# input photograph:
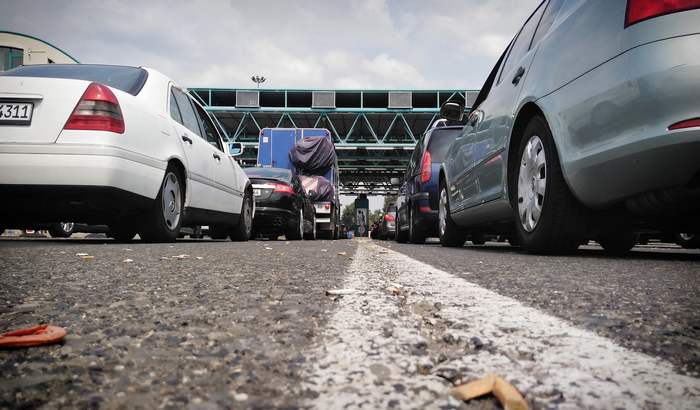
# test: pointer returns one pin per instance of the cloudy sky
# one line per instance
(405, 44)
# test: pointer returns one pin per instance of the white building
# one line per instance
(20, 49)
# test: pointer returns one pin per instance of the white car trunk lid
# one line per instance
(53, 102)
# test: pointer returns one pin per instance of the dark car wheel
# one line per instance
(400, 236)
(121, 232)
(415, 236)
(244, 227)
(617, 243)
(297, 231)
(310, 234)
(548, 217)
(61, 230)
(219, 232)
(451, 235)
(688, 240)
(478, 239)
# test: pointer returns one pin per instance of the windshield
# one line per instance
(439, 143)
(279, 174)
(127, 79)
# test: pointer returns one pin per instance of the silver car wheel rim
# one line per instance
(67, 226)
(247, 216)
(443, 211)
(532, 183)
(172, 201)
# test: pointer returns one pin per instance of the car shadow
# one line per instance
(587, 251)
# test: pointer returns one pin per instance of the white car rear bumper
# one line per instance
(80, 165)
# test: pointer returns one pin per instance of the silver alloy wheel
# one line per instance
(442, 211)
(172, 201)
(686, 236)
(67, 226)
(532, 183)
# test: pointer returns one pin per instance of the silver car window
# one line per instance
(522, 42)
(550, 14)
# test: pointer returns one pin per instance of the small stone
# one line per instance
(477, 343)
(240, 397)
(217, 336)
(387, 331)
(449, 338)
(119, 368)
(424, 367)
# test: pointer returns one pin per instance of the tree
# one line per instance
(348, 216)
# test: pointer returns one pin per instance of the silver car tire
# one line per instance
(451, 235)
(548, 218)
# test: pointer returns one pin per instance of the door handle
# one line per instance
(518, 75)
(216, 157)
(187, 139)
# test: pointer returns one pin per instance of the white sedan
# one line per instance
(121, 146)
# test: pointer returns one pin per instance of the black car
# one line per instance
(281, 205)
(417, 204)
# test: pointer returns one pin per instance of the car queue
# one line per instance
(587, 128)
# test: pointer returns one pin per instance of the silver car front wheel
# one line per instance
(532, 183)
(548, 218)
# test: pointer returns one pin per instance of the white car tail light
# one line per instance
(97, 110)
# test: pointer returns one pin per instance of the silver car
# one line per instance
(588, 127)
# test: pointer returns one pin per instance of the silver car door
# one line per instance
(495, 119)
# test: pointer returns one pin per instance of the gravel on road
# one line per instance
(201, 324)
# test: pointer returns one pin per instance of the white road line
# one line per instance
(554, 364)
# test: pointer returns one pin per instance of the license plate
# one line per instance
(12, 113)
(257, 192)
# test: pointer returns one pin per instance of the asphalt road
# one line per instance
(208, 324)
(647, 301)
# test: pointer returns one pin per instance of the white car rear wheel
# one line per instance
(162, 223)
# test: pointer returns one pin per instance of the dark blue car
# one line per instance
(417, 203)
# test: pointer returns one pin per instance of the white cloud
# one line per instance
(302, 44)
